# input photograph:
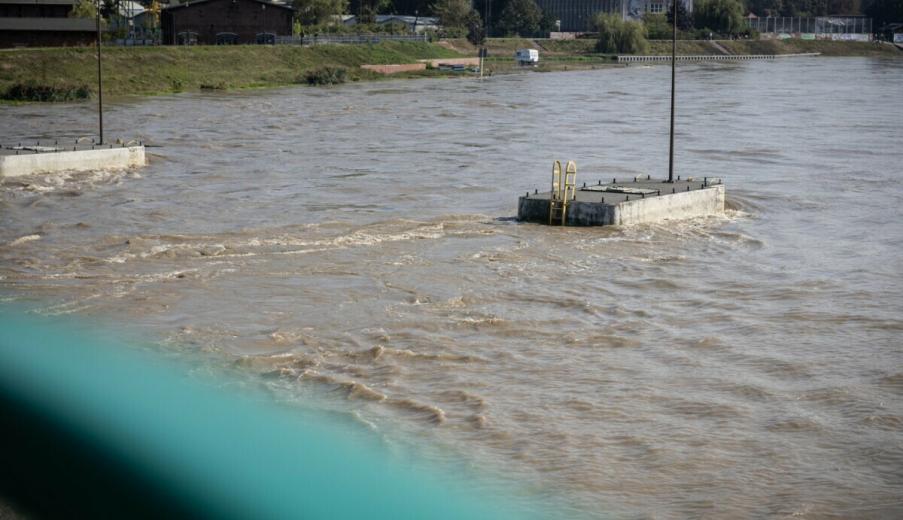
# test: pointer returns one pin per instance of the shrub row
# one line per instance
(31, 91)
(325, 76)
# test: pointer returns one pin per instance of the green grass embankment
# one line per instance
(825, 47)
(62, 74)
(556, 55)
(165, 69)
(586, 48)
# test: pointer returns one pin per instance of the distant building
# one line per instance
(414, 23)
(43, 23)
(577, 15)
(145, 26)
(210, 22)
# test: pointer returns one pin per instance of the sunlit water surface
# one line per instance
(354, 247)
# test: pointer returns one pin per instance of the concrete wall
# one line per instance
(392, 69)
(105, 158)
(697, 203)
(451, 61)
(579, 213)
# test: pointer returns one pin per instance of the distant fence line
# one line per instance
(814, 27)
(350, 38)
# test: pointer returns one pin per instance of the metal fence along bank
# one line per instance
(848, 28)
(349, 38)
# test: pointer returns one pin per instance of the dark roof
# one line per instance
(196, 2)
(37, 2)
(48, 24)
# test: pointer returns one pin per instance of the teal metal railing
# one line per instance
(93, 428)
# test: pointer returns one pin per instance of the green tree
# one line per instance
(547, 24)
(83, 9)
(317, 12)
(721, 16)
(476, 32)
(883, 12)
(520, 18)
(765, 7)
(657, 27)
(453, 14)
(617, 35)
(684, 20)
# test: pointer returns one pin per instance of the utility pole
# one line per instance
(673, 73)
(99, 78)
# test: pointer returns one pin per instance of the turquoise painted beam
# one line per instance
(91, 427)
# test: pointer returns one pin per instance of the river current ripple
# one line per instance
(354, 247)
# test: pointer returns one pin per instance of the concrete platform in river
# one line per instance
(631, 201)
(55, 156)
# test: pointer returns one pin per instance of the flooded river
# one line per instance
(355, 247)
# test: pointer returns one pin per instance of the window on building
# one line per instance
(656, 7)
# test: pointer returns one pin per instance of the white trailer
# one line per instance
(527, 56)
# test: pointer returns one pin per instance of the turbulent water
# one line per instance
(356, 247)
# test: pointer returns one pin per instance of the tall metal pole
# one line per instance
(673, 73)
(485, 35)
(99, 79)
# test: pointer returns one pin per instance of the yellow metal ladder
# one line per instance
(563, 191)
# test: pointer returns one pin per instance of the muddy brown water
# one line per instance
(355, 247)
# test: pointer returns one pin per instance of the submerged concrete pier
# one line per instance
(630, 201)
(56, 156)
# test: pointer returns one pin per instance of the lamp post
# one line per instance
(673, 73)
(99, 77)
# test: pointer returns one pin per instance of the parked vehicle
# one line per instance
(527, 56)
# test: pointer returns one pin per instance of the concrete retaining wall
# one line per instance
(452, 61)
(99, 159)
(392, 69)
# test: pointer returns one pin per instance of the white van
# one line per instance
(527, 56)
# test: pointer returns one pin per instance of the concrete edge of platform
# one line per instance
(682, 205)
(51, 162)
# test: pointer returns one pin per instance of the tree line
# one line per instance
(477, 19)
(525, 18)
(458, 18)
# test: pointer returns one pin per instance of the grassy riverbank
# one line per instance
(585, 48)
(156, 70)
(64, 74)
(556, 55)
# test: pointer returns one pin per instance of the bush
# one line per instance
(722, 16)
(519, 18)
(657, 27)
(617, 35)
(31, 91)
(325, 76)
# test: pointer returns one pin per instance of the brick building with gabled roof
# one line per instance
(209, 22)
